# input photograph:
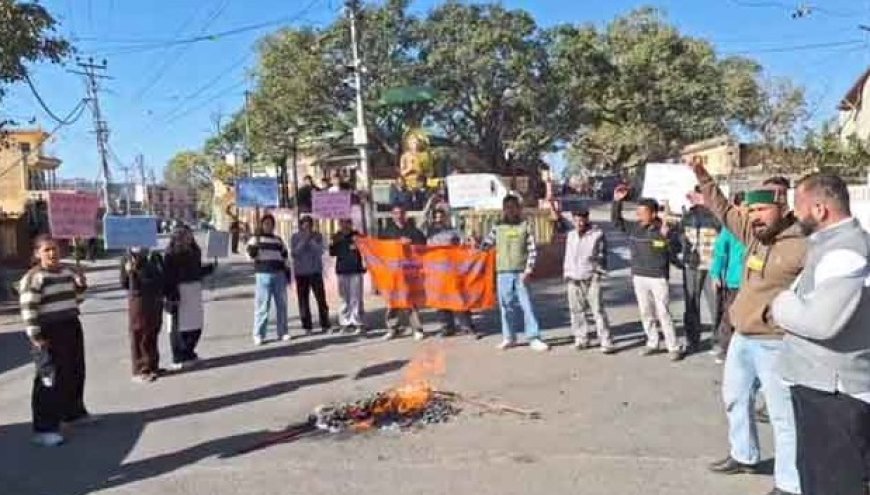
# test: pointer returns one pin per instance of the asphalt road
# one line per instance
(609, 424)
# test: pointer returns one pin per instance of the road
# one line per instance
(609, 424)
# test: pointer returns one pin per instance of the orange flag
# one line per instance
(456, 278)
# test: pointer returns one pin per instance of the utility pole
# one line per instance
(247, 151)
(360, 134)
(93, 73)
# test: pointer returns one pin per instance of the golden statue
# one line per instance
(416, 159)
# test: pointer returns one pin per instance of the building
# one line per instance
(27, 169)
(854, 117)
(27, 172)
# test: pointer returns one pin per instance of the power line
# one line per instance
(798, 11)
(795, 48)
(93, 73)
(45, 107)
(157, 45)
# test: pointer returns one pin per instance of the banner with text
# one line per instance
(257, 192)
(334, 205)
(73, 214)
(669, 183)
(454, 278)
(125, 232)
(484, 191)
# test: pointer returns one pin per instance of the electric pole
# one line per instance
(247, 152)
(93, 73)
(360, 134)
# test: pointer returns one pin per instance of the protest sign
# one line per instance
(217, 244)
(335, 205)
(669, 182)
(73, 214)
(455, 278)
(257, 192)
(483, 191)
(125, 232)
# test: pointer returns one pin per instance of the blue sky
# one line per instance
(162, 100)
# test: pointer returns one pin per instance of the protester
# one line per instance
(50, 295)
(184, 273)
(825, 354)
(337, 182)
(270, 257)
(350, 270)
(726, 270)
(699, 230)
(583, 268)
(400, 195)
(235, 234)
(654, 248)
(307, 249)
(142, 275)
(400, 228)
(516, 253)
(441, 233)
(305, 194)
(775, 249)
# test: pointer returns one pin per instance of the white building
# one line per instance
(854, 116)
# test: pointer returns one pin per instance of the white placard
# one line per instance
(483, 191)
(669, 182)
(217, 244)
(861, 212)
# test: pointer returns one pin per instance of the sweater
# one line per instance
(699, 231)
(183, 267)
(348, 260)
(268, 252)
(585, 255)
(771, 267)
(307, 253)
(651, 252)
(827, 314)
(48, 296)
(729, 256)
(516, 249)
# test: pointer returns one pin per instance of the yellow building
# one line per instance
(26, 169)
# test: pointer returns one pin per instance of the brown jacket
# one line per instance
(769, 269)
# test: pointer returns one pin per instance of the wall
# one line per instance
(856, 122)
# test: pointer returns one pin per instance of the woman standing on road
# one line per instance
(142, 275)
(270, 256)
(50, 297)
(184, 312)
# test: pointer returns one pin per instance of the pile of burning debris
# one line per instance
(399, 408)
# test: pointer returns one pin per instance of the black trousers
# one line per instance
(183, 345)
(64, 400)
(833, 442)
(305, 284)
(145, 319)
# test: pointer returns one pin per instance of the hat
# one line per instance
(763, 196)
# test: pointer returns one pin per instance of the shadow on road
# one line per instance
(94, 457)
(380, 369)
(14, 351)
(273, 352)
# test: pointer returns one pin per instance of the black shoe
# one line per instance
(777, 491)
(730, 466)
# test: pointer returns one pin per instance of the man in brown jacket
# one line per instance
(775, 249)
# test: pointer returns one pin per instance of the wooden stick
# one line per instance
(489, 406)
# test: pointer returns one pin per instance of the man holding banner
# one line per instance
(441, 233)
(402, 230)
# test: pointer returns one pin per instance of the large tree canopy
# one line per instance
(616, 96)
(26, 36)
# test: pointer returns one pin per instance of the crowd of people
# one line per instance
(786, 290)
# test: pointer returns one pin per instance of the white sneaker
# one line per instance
(506, 344)
(258, 341)
(48, 439)
(176, 366)
(286, 338)
(538, 345)
(419, 336)
(390, 335)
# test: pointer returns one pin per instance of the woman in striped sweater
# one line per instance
(50, 298)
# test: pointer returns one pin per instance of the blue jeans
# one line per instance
(512, 297)
(751, 363)
(270, 286)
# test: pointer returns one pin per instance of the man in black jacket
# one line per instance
(349, 268)
(403, 230)
(653, 248)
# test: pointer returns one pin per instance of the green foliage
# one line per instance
(26, 36)
(196, 170)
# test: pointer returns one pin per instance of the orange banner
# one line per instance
(456, 278)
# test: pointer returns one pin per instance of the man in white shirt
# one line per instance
(826, 352)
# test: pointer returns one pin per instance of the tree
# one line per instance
(196, 170)
(650, 90)
(27, 36)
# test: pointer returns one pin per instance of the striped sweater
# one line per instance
(49, 296)
(268, 252)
